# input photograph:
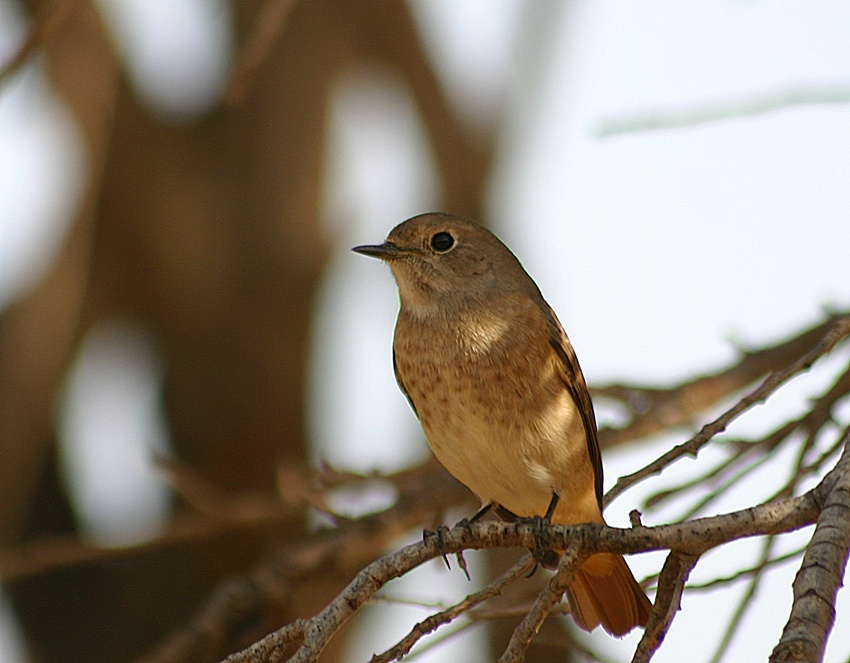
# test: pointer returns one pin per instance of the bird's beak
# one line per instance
(385, 251)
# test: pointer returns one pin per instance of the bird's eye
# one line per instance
(442, 242)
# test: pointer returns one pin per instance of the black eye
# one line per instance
(442, 242)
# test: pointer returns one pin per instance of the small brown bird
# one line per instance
(495, 382)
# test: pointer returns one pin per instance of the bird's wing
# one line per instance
(402, 387)
(574, 381)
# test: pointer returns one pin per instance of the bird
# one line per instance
(493, 378)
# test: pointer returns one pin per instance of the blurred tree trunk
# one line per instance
(207, 234)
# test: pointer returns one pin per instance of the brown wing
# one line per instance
(574, 381)
(402, 387)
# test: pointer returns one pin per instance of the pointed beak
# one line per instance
(385, 251)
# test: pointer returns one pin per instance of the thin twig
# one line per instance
(551, 594)
(838, 331)
(723, 110)
(671, 583)
(657, 409)
(686, 539)
(745, 601)
(811, 423)
(423, 628)
(701, 504)
(339, 551)
(442, 638)
(690, 538)
(713, 477)
(748, 572)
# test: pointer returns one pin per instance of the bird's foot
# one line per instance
(439, 535)
(542, 552)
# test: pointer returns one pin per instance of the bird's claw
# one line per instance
(461, 562)
(543, 554)
(439, 535)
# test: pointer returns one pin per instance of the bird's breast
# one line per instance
(494, 407)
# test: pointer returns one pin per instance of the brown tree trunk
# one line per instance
(207, 234)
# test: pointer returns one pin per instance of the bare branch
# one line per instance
(334, 552)
(760, 566)
(218, 513)
(838, 331)
(319, 630)
(433, 622)
(723, 110)
(822, 572)
(546, 600)
(668, 599)
(268, 26)
(744, 602)
(690, 538)
(425, 492)
(657, 409)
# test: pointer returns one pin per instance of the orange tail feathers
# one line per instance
(605, 592)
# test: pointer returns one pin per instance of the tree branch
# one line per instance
(822, 572)
(838, 330)
(45, 24)
(657, 409)
(267, 27)
(521, 568)
(334, 552)
(548, 597)
(723, 110)
(424, 493)
(671, 584)
(689, 538)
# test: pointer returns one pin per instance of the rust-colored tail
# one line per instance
(605, 592)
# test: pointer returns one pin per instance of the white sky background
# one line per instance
(655, 248)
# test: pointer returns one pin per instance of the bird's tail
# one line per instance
(605, 592)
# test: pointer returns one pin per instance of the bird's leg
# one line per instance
(553, 504)
(546, 558)
(484, 510)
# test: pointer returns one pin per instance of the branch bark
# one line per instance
(822, 571)
(668, 599)
(548, 597)
(690, 538)
(433, 622)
